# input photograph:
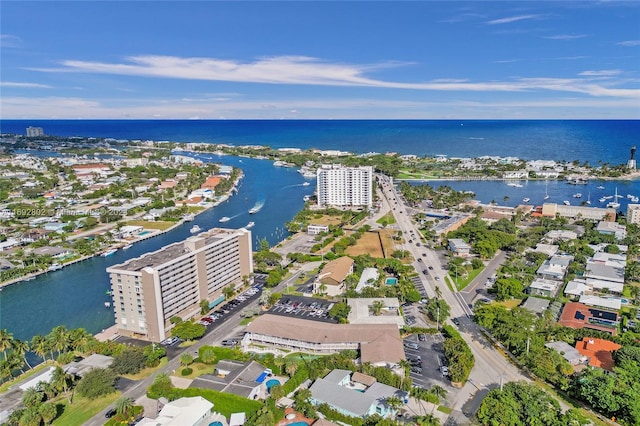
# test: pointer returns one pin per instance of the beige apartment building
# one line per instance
(150, 289)
(633, 214)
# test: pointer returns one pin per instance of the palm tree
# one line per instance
(32, 397)
(376, 307)
(228, 292)
(438, 391)
(6, 339)
(40, 346)
(79, 338)
(60, 380)
(123, 405)
(279, 361)
(394, 403)
(290, 367)
(60, 338)
(428, 420)
(48, 411)
(21, 348)
(186, 359)
(405, 365)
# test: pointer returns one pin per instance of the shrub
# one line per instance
(186, 371)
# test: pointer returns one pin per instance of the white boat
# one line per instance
(54, 267)
(249, 225)
(305, 198)
(602, 200)
(306, 184)
(613, 204)
(566, 203)
(225, 219)
(589, 198)
(188, 217)
(107, 304)
(600, 187)
(546, 190)
(255, 209)
(127, 247)
(109, 252)
(515, 185)
(194, 229)
(577, 195)
(526, 200)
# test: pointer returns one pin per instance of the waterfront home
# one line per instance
(355, 394)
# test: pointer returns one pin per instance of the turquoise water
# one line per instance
(298, 424)
(391, 281)
(144, 233)
(271, 383)
(215, 424)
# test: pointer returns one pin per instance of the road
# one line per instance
(491, 368)
(221, 330)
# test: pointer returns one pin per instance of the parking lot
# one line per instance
(303, 307)
(427, 361)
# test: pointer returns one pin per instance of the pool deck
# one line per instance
(297, 418)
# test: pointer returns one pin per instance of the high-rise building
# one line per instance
(151, 289)
(633, 214)
(33, 132)
(344, 186)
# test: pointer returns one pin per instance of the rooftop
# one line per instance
(536, 305)
(599, 351)
(578, 315)
(239, 378)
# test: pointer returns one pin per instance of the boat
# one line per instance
(614, 204)
(109, 293)
(566, 203)
(54, 267)
(29, 279)
(306, 184)
(515, 185)
(225, 219)
(249, 225)
(255, 209)
(577, 195)
(107, 304)
(600, 187)
(589, 198)
(526, 200)
(194, 229)
(127, 247)
(306, 198)
(546, 190)
(109, 252)
(188, 217)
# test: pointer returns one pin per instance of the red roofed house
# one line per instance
(599, 351)
(191, 201)
(211, 182)
(579, 315)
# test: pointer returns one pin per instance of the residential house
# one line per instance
(459, 247)
(568, 352)
(555, 267)
(536, 305)
(612, 228)
(331, 278)
(355, 394)
(187, 411)
(599, 351)
(317, 229)
(579, 315)
(236, 377)
(542, 287)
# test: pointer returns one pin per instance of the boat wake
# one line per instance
(257, 207)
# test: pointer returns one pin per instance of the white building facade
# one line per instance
(345, 186)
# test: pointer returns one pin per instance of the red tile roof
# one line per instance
(576, 315)
(599, 351)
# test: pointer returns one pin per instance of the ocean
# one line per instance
(594, 141)
(75, 295)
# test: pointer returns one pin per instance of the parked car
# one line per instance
(444, 370)
(229, 342)
(456, 321)
(416, 369)
(411, 345)
(431, 267)
(422, 337)
(112, 412)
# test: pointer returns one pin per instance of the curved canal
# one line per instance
(75, 295)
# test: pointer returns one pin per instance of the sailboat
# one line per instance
(546, 192)
(614, 204)
(589, 198)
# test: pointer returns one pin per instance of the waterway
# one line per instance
(75, 295)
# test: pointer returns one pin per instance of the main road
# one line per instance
(491, 367)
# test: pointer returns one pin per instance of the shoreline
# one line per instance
(29, 277)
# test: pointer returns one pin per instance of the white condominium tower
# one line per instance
(344, 186)
(150, 289)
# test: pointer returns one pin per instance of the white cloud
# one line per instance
(24, 85)
(629, 43)
(511, 19)
(9, 40)
(600, 73)
(565, 36)
(301, 70)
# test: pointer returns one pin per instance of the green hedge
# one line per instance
(337, 416)
(224, 403)
(458, 354)
(296, 380)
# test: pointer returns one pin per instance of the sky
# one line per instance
(320, 60)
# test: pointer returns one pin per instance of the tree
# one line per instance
(48, 412)
(438, 310)
(376, 307)
(130, 361)
(123, 405)
(96, 383)
(204, 306)
(207, 354)
(185, 359)
(394, 403)
(6, 339)
(340, 312)
(32, 397)
(40, 346)
(61, 380)
(188, 330)
(161, 386)
(228, 292)
(290, 367)
(21, 348)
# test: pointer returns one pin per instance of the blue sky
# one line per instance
(432, 60)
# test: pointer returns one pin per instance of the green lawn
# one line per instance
(198, 369)
(387, 219)
(444, 409)
(83, 409)
(246, 321)
(224, 403)
(147, 371)
(510, 304)
(464, 280)
(151, 225)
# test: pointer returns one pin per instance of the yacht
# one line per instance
(194, 229)
(225, 219)
(614, 204)
(54, 267)
(546, 190)
(249, 225)
(600, 187)
(577, 195)
(254, 210)
(109, 252)
(107, 304)
(566, 203)
(127, 247)
(602, 200)
(589, 199)
(306, 184)
(306, 198)
(526, 200)
(188, 217)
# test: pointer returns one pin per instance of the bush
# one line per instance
(186, 371)
(96, 383)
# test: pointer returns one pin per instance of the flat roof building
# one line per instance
(345, 186)
(633, 213)
(151, 289)
(579, 315)
(574, 212)
(459, 247)
(363, 312)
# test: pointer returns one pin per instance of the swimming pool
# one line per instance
(298, 424)
(215, 424)
(144, 233)
(271, 383)
(391, 281)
